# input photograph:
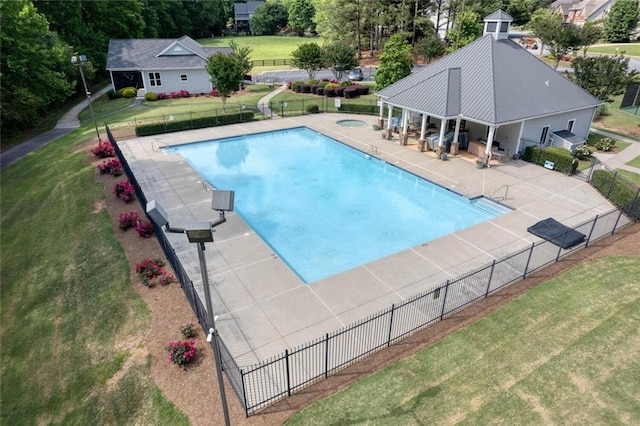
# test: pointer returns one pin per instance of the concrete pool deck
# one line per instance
(265, 308)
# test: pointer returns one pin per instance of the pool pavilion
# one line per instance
(492, 98)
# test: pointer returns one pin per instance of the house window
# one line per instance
(183, 77)
(504, 27)
(570, 125)
(491, 27)
(543, 136)
(154, 79)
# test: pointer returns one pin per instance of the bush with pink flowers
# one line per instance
(128, 220)
(144, 228)
(125, 191)
(181, 353)
(113, 167)
(103, 150)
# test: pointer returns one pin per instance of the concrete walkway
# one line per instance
(619, 160)
(264, 102)
(67, 123)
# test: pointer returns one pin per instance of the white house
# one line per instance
(494, 93)
(160, 65)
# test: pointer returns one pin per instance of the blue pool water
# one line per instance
(322, 206)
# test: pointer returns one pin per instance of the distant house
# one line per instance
(160, 65)
(493, 92)
(578, 12)
(242, 14)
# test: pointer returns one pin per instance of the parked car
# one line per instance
(355, 75)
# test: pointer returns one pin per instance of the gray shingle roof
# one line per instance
(145, 54)
(500, 83)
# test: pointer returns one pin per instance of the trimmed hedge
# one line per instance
(312, 109)
(359, 109)
(196, 123)
(561, 157)
(621, 193)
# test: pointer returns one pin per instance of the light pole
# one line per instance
(199, 234)
(78, 60)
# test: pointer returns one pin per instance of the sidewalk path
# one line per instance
(67, 123)
(264, 102)
(619, 160)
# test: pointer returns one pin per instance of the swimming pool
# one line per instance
(323, 206)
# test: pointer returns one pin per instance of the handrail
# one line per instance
(506, 192)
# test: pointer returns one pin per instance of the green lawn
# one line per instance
(615, 118)
(630, 49)
(635, 162)
(264, 47)
(631, 176)
(68, 310)
(563, 353)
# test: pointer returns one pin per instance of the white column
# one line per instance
(423, 128)
(456, 132)
(405, 121)
(443, 123)
(519, 137)
(492, 132)
(381, 109)
(389, 117)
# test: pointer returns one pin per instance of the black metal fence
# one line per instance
(278, 377)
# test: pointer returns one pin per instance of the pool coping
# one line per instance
(264, 308)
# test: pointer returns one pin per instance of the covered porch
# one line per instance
(444, 136)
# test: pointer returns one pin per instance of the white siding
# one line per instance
(198, 81)
(533, 128)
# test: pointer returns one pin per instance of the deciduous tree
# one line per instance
(35, 66)
(226, 74)
(465, 31)
(431, 46)
(603, 76)
(339, 57)
(621, 21)
(395, 62)
(269, 18)
(301, 13)
(308, 57)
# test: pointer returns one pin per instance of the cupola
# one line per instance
(497, 24)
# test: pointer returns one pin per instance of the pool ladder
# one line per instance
(506, 192)
(372, 149)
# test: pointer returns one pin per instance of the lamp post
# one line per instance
(199, 234)
(78, 60)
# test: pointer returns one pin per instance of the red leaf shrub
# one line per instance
(128, 220)
(181, 353)
(125, 191)
(152, 272)
(112, 166)
(103, 150)
(144, 228)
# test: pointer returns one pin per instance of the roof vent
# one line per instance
(497, 24)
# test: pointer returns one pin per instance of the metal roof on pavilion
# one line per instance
(499, 82)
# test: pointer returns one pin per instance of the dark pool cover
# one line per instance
(555, 232)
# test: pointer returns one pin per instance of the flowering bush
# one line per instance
(181, 353)
(144, 228)
(214, 92)
(162, 95)
(125, 191)
(112, 166)
(152, 272)
(188, 330)
(128, 220)
(103, 150)
(180, 94)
